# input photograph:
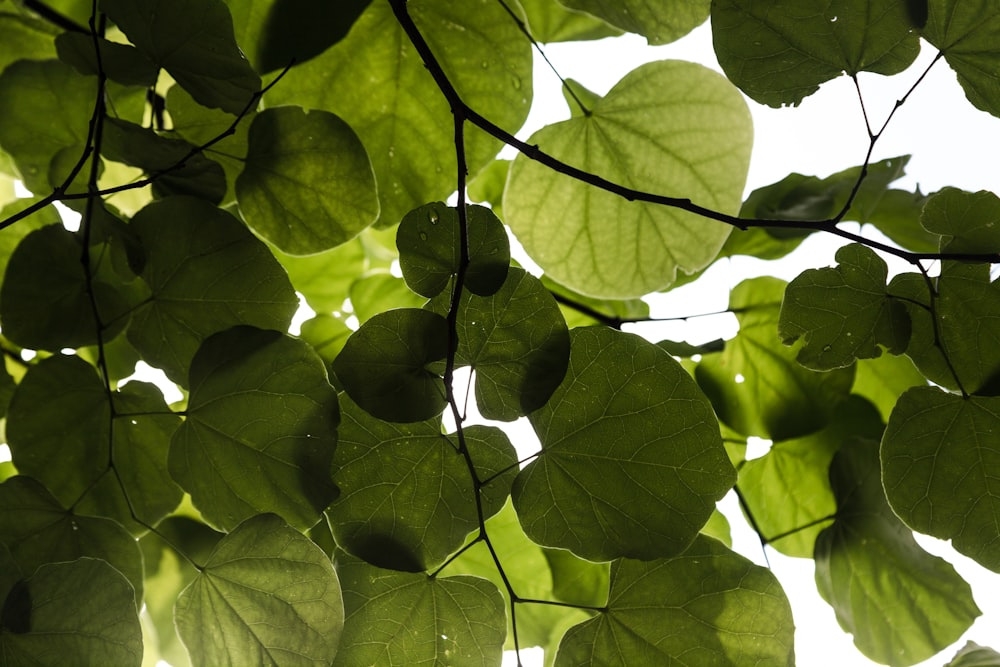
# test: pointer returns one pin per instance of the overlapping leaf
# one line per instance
(79, 612)
(659, 23)
(407, 497)
(965, 32)
(966, 221)
(402, 119)
(974, 655)
(24, 38)
(260, 430)
(780, 52)
(756, 385)
(901, 604)
(455, 619)
(384, 365)
(940, 458)
(119, 62)
(843, 314)
(193, 40)
(307, 185)
(668, 127)
(884, 379)
(207, 273)
(632, 462)
(324, 278)
(551, 22)
(705, 606)
(267, 595)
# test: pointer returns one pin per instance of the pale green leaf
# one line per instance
(266, 596)
(377, 291)
(325, 278)
(669, 127)
(549, 21)
(974, 655)
(24, 38)
(882, 380)
(659, 22)
(632, 462)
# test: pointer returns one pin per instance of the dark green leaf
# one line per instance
(141, 147)
(193, 40)
(12, 236)
(307, 185)
(402, 118)
(965, 33)
(454, 619)
(639, 135)
(207, 273)
(119, 62)
(974, 655)
(756, 385)
(939, 465)
(706, 606)
(266, 596)
(898, 217)
(517, 343)
(659, 23)
(843, 314)
(965, 221)
(582, 311)
(38, 529)
(429, 242)
(81, 613)
(632, 462)
(44, 108)
(260, 430)
(381, 467)
(780, 52)
(901, 604)
(789, 487)
(968, 325)
(551, 22)
(385, 365)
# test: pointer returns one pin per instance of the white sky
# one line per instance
(952, 143)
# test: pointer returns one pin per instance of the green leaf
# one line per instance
(37, 529)
(965, 221)
(632, 462)
(402, 119)
(638, 135)
(882, 380)
(207, 273)
(44, 108)
(789, 487)
(939, 463)
(966, 34)
(324, 279)
(756, 385)
(843, 314)
(898, 215)
(705, 606)
(141, 147)
(551, 22)
(517, 343)
(327, 334)
(119, 62)
(429, 242)
(81, 613)
(378, 291)
(193, 40)
(13, 235)
(24, 38)
(384, 365)
(974, 655)
(235, 465)
(45, 301)
(582, 311)
(456, 619)
(901, 604)
(307, 185)
(577, 581)
(267, 595)
(780, 52)
(659, 23)
(381, 468)
(968, 325)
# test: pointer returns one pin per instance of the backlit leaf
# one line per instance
(974, 655)
(193, 40)
(706, 606)
(940, 458)
(260, 430)
(659, 23)
(458, 620)
(307, 185)
(780, 52)
(324, 278)
(965, 32)
(24, 38)
(901, 604)
(81, 613)
(882, 380)
(207, 273)
(384, 365)
(377, 291)
(640, 135)
(551, 22)
(267, 595)
(632, 462)
(966, 221)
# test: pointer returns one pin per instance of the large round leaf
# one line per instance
(672, 128)
(632, 462)
(307, 185)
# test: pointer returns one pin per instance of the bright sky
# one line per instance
(952, 143)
